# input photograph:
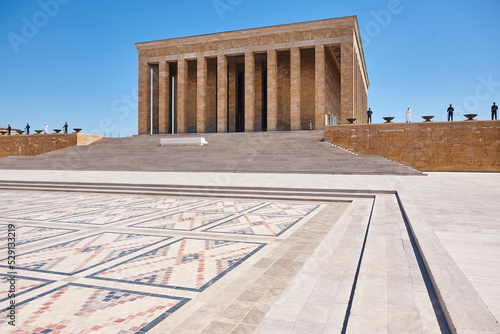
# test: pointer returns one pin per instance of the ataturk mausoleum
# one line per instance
(265, 79)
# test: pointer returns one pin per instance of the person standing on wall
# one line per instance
(369, 113)
(9, 129)
(27, 128)
(494, 109)
(450, 113)
(46, 129)
(408, 115)
(65, 127)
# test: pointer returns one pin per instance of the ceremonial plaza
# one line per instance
(249, 202)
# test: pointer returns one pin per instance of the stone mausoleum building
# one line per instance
(263, 79)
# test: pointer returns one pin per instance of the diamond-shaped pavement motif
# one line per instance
(228, 206)
(50, 213)
(106, 216)
(81, 254)
(191, 264)
(26, 234)
(13, 207)
(256, 224)
(166, 203)
(289, 209)
(183, 220)
(115, 201)
(22, 285)
(78, 308)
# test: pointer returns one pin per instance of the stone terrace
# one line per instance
(265, 152)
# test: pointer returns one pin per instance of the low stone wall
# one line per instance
(42, 143)
(464, 146)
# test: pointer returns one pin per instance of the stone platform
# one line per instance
(461, 146)
(253, 253)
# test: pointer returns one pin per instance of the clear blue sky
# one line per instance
(77, 61)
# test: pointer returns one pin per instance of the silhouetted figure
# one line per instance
(450, 113)
(369, 113)
(408, 115)
(9, 129)
(27, 128)
(65, 127)
(494, 109)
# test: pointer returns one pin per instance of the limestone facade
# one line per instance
(263, 79)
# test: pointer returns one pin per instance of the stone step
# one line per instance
(221, 192)
(392, 293)
(273, 152)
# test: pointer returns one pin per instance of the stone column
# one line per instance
(249, 91)
(272, 90)
(295, 89)
(221, 93)
(182, 83)
(319, 87)
(347, 81)
(144, 98)
(156, 93)
(201, 95)
(164, 96)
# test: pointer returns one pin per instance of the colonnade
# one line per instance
(177, 96)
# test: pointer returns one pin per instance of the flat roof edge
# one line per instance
(229, 34)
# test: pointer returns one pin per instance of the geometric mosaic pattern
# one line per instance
(117, 278)
(166, 203)
(26, 234)
(45, 214)
(80, 254)
(191, 264)
(228, 206)
(93, 309)
(184, 220)
(291, 209)
(259, 218)
(23, 285)
(253, 224)
(106, 216)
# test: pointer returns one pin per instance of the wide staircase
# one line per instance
(260, 152)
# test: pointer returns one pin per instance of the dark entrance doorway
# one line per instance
(240, 102)
(264, 97)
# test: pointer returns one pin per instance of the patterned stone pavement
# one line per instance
(124, 263)
(386, 254)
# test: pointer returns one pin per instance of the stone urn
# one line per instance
(428, 118)
(388, 119)
(351, 120)
(470, 117)
(77, 130)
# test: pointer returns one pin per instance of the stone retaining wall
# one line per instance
(42, 143)
(463, 146)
